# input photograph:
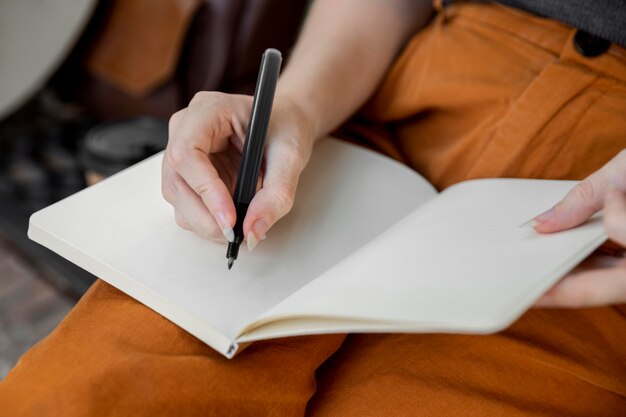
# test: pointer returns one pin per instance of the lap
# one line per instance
(551, 362)
(113, 356)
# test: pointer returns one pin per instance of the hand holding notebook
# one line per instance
(600, 280)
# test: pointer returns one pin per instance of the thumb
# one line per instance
(578, 205)
(584, 199)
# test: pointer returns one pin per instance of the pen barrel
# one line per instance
(252, 154)
(241, 209)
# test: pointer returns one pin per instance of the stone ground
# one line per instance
(29, 307)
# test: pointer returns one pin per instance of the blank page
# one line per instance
(123, 231)
(462, 262)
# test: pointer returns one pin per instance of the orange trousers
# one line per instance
(483, 91)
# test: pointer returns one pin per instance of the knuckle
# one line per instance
(175, 120)
(182, 223)
(585, 190)
(208, 230)
(202, 97)
(295, 152)
(285, 198)
(204, 190)
(176, 157)
(169, 190)
(294, 155)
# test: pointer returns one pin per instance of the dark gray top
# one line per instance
(603, 18)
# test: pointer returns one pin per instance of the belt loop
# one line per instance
(441, 8)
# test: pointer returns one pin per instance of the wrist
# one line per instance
(303, 109)
(299, 116)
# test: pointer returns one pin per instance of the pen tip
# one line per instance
(230, 262)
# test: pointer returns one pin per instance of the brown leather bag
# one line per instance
(152, 56)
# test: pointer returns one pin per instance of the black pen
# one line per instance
(253, 147)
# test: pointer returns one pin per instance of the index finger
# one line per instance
(205, 128)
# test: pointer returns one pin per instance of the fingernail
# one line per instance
(530, 223)
(543, 217)
(251, 242)
(259, 228)
(223, 223)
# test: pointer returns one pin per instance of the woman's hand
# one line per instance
(601, 279)
(202, 160)
(318, 90)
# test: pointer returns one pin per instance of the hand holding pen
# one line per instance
(252, 153)
(202, 160)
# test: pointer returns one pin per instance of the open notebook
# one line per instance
(369, 247)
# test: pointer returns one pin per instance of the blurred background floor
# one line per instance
(29, 307)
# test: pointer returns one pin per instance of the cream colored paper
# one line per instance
(368, 247)
(463, 262)
(124, 232)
